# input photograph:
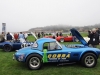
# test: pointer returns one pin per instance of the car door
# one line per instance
(72, 53)
(17, 45)
(68, 38)
(53, 51)
(66, 54)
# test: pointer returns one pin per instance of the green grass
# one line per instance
(84, 34)
(8, 66)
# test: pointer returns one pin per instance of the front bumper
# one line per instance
(19, 58)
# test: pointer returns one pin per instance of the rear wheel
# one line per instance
(34, 62)
(62, 40)
(7, 48)
(89, 60)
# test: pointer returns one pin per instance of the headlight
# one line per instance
(21, 57)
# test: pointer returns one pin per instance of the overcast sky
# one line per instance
(21, 15)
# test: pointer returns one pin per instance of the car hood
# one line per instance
(78, 36)
(24, 49)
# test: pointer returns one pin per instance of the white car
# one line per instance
(86, 39)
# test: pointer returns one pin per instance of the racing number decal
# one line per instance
(58, 55)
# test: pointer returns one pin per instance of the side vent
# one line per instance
(76, 55)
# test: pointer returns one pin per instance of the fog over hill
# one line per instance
(64, 28)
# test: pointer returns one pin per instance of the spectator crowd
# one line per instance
(93, 34)
(16, 36)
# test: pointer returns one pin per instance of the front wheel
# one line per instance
(34, 62)
(89, 60)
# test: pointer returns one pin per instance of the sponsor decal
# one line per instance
(58, 57)
(55, 57)
(26, 44)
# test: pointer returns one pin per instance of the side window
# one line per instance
(45, 46)
(54, 46)
(51, 46)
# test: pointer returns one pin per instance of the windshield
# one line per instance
(35, 45)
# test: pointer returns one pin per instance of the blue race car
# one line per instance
(46, 50)
(8, 46)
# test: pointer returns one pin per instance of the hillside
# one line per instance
(64, 28)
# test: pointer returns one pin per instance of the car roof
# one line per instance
(43, 40)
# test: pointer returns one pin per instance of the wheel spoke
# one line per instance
(34, 62)
(89, 60)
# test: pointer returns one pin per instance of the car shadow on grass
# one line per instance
(48, 65)
(57, 65)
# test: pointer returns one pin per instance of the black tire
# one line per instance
(89, 60)
(61, 40)
(7, 48)
(34, 62)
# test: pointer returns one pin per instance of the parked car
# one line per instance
(8, 46)
(46, 50)
(62, 38)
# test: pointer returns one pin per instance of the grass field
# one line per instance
(12, 67)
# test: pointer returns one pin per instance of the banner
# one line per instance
(4, 29)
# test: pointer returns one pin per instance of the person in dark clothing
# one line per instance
(57, 34)
(98, 31)
(60, 34)
(89, 32)
(94, 38)
(42, 34)
(39, 35)
(9, 37)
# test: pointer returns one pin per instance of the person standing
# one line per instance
(57, 34)
(60, 34)
(39, 35)
(94, 38)
(25, 35)
(53, 35)
(15, 36)
(9, 37)
(21, 37)
(2, 37)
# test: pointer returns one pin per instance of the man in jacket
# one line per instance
(94, 38)
(2, 37)
(9, 37)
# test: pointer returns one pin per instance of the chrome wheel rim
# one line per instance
(34, 62)
(61, 40)
(89, 60)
